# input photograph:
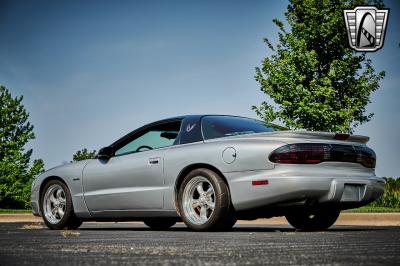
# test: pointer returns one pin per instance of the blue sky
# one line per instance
(93, 71)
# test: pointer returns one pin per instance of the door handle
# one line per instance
(154, 160)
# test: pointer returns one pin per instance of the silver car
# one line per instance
(209, 171)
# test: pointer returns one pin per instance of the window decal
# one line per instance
(190, 127)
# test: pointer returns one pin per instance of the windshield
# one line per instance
(225, 126)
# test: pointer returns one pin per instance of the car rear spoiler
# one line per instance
(320, 135)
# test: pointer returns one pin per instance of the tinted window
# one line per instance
(153, 138)
(224, 126)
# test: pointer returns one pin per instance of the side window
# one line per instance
(155, 137)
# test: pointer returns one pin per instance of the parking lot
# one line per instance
(134, 243)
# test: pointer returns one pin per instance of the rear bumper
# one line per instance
(344, 192)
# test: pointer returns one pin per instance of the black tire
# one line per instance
(313, 221)
(223, 216)
(160, 223)
(228, 223)
(69, 220)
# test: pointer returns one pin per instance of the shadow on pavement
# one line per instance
(245, 228)
(248, 228)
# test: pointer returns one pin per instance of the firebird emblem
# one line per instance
(190, 127)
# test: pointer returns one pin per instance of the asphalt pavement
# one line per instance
(134, 243)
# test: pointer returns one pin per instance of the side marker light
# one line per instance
(259, 182)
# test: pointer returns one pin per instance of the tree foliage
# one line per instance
(16, 173)
(391, 196)
(83, 155)
(315, 79)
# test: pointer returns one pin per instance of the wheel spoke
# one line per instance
(203, 213)
(61, 200)
(58, 194)
(211, 205)
(52, 198)
(60, 212)
(200, 189)
(210, 191)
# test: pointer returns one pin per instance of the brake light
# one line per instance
(341, 136)
(300, 154)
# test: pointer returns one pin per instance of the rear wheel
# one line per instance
(160, 223)
(56, 206)
(313, 221)
(204, 201)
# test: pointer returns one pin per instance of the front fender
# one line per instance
(71, 175)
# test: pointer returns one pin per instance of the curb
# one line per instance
(373, 219)
(361, 219)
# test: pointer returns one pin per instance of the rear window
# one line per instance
(225, 126)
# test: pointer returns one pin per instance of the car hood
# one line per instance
(72, 166)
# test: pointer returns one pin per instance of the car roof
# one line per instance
(196, 116)
(184, 137)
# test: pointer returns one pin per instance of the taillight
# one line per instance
(366, 156)
(341, 136)
(313, 153)
(300, 153)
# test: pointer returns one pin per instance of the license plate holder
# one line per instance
(352, 193)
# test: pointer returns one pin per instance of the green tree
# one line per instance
(83, 155)
(16, 173)
(391, 196)
(315, 79)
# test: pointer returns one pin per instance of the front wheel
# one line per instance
(313, 221)
(56, 206)
(204, 201)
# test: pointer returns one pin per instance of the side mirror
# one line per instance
(105, 153)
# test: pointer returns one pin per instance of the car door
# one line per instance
(132, 179)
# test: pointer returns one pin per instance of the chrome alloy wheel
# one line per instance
(54, 203)
(198, 200)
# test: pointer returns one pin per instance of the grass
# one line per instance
(373, 209)
(14, 211)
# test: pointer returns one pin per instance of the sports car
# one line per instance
(208, 171)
